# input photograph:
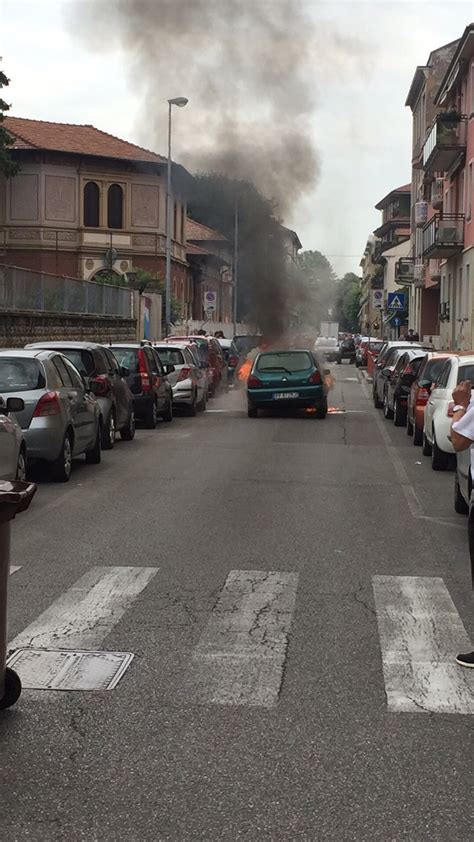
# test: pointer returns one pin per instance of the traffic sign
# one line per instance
(210, 301)
(396, 301)
(377, 299)
(397, 322)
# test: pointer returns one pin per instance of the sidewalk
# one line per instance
(365, 376)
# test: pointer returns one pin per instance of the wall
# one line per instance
(18, 328)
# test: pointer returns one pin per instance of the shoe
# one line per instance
(465, 660)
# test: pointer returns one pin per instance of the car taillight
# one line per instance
(407, 370)
(451, 406)
(184, 373)
(233, 361)
(143, 372)
(253, 382)
(315, 378)
(48, 404)
(422, 397)
(100, 385)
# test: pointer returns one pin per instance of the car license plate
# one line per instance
(281, 396)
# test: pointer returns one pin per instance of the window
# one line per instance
(470, 189)
(91, 205)
(21, 375)
(175, 221)
(74, 375)
(62, 371)
(82, 360)
(442, 381)
(284, 361)
(115, 206)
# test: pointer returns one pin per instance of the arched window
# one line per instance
(91, 205)
(115, 206)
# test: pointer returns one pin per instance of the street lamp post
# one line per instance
(180, 101)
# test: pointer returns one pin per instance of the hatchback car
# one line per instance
(386, 359)
(286, 379)
(12, 443)
(399, 385)
(147, 381)
(212, 358)
(439, 409)
(60, 419)
(187, 380)
(346, 351)
(419, 396)
(102, 374)
(327, 346)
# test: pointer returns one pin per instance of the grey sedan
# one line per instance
(60, 418)
(12, 443)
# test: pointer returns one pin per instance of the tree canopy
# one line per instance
(7, 166)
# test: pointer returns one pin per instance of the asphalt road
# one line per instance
(209, 736)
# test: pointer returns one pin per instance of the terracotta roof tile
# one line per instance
(75, 139)
(199, 232)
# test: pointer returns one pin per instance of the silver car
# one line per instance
(188, 381)
(12, 443)
(60, 418)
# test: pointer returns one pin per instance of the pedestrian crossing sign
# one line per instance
(396, 301)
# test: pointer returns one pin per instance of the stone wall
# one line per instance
(17, 328)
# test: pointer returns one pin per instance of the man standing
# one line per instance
(412, 337)
(462, 437)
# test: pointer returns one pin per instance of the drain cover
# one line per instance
(63, 669)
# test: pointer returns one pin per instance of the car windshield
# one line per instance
(83, 360)
(290, 361)
(20, 375)
(433, 369)
(170, 356)
(128, 357)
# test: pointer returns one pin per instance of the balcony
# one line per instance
(445, 143)
(443, 237)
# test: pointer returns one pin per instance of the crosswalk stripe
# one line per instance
(240, 657)
(420, 632)
(14, 568)
(83, 616)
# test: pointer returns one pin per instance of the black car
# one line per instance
(105, 380)
(231, 356)
(399, 382)
(146, 377)
(346, 351)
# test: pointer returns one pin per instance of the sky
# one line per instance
(359, 127)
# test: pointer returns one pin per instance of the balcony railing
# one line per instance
(445, 142)
(443, 236)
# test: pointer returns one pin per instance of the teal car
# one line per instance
(286, 379)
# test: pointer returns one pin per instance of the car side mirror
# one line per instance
(386, 372)
(15, 405)
(169, 368)
(124, 371)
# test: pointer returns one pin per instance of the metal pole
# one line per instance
(168, 232)
(236, 246)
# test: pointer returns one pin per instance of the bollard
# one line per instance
(15, 497)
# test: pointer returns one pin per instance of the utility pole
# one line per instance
(236, 257)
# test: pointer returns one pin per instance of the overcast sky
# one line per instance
(360, 127)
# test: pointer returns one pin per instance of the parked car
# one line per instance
(187, 380)
(147, 380)
(287, 379)
(362, 350)
(418, 395)
(439, 409)
(463, 482)
(386, 359)
(12, 443)
(328, 347)
(211, 356)
(60, 418)
(102, 374)
(231, 356)
(346, 351)
(399, 384)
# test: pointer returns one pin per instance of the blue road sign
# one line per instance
(397, 322)
(396, 301)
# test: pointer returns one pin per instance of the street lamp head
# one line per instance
(180, 101)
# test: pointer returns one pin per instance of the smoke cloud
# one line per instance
(250, 69)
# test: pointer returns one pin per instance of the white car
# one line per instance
(439, 410)
(188, 380)
(12, 445)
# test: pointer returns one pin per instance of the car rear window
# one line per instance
(170, 356)
(17, 375)
(287, 360)
(83, 360)
(128, 357)
(466, 372)
(433, 368)
(375, 347)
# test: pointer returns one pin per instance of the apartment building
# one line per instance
(371, 305)
(392, 244)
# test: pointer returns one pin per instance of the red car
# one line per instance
(419, 394)
(212, 357)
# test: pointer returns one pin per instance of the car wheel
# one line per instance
(388, 413)
(192, 408)
(417, 436)
(426, 445)
(61, 467)
(399, 414)
(151, 417)
(21, 466)
(202, 403)
(377, 403)
(252, 411)
(167, 415)
(460, 505)
(94, 455)
(12, 689)
(409, 427)
(439, 459)
(128, 432)
(108, 433)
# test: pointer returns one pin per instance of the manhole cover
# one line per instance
(63, 669)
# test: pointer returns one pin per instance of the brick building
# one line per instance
(209, 255)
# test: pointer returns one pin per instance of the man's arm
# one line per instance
(463, 417)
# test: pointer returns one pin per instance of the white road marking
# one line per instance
(62, 669)
(14, 569)
(83, 616)
(240, 657)
(420, 633)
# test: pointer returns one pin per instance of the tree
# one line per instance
(348, 302)
(320, 282)
(8, 167)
